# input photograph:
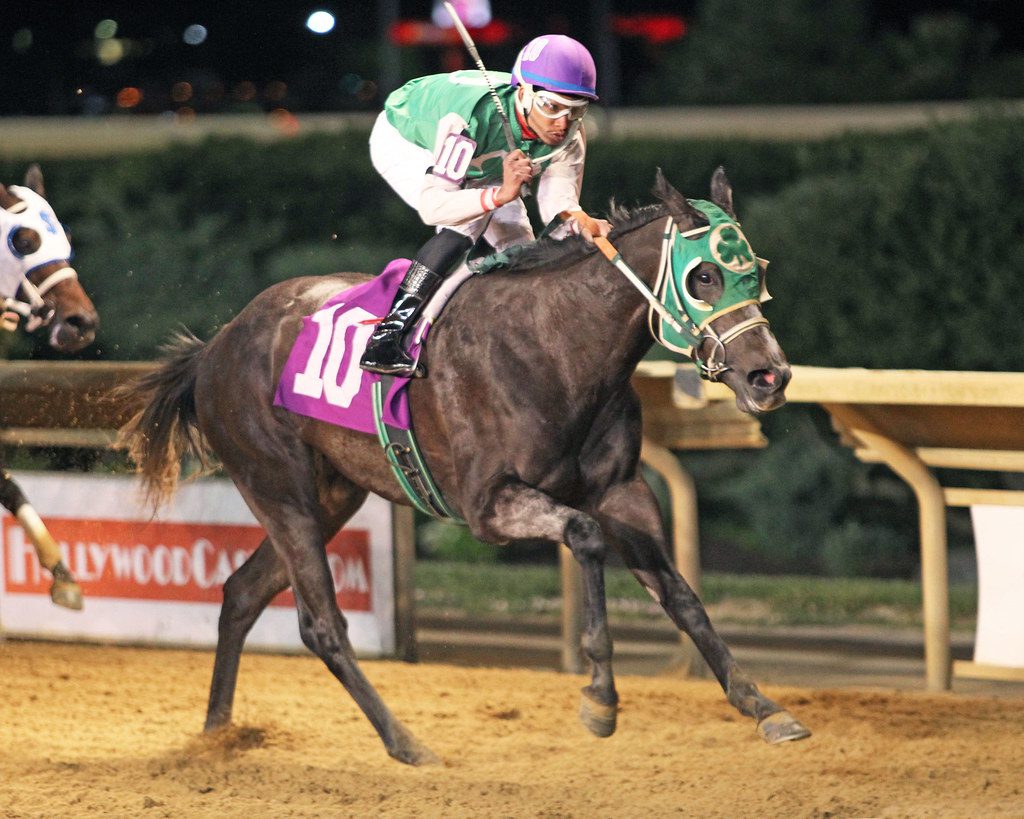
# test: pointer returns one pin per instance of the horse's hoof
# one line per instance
(414, 753)
(407, 749)
(66, 593)
(598, 717)
(781, 726)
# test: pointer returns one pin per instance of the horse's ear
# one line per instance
(34, 179)
(685, 214)
(721, 191)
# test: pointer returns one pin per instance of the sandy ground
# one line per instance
(97, 731)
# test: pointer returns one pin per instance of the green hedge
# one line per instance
(899, 250)
(888, 251)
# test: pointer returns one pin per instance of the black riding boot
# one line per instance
(385, 352)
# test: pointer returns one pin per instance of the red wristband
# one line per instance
(489, 199)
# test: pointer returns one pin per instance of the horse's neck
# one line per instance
(603, 315)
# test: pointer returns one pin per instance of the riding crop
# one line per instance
(506, 126)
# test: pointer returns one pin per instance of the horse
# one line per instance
(38, 284)
(527, 421)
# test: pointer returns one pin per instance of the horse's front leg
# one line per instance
(64, 590)
(519, 512)
(630, 515)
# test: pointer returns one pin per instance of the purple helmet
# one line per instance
(557, 63)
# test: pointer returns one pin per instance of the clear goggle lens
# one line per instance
(555, 106)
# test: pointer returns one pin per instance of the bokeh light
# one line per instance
(110, 52)
(105, 29)
(320, 21)
(181, 91)
(129, 97)
(194, 35)
(245, 91)
(473, 13)
(275, 91)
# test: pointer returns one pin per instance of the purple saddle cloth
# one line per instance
(322, 378)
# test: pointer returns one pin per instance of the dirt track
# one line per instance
(115, 732)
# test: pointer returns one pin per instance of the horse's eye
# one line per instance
(704, 278)
(25, 241)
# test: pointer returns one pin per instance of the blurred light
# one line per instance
(195, 34)
(181, 92)
(110, 52)
(419, 33)
(285, 121)
(275, 91)
(22, 40)
(105, 29)
(128, 97)
(656, 28)
(185, 114)
(244, 91)
(320, 22)
(474, 13)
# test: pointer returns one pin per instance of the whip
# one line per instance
(471, 48)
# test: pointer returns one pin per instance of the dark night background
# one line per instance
(50, 63)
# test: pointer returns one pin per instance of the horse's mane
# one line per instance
(549, 251)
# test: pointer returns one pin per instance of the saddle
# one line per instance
(322, 378)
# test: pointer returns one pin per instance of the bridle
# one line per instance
(36, 312)
(26, 301)
(692, 330)
(675, 318)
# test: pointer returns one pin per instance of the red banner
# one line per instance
(181, 562)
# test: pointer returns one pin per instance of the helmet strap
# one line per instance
(524, 99)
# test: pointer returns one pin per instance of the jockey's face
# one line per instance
(550, 127)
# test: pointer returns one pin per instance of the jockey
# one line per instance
(440, 143)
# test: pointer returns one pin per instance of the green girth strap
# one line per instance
(407, 463)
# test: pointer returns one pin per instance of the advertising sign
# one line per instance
(158, 578)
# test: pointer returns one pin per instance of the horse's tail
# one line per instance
(164, 427)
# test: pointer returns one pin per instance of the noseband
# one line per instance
(712, 368)
(25, 299)
(36, 312)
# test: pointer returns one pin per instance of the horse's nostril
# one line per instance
(769, 380)
(81, 323)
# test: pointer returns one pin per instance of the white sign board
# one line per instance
(158, 579)
(999, 539)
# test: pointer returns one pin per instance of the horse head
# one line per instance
(714, 284)
(37, 281)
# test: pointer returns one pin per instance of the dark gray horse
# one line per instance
(528, 422)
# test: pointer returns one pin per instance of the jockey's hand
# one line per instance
(517, 170)
(589, 227)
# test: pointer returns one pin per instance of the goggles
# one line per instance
(554, 106)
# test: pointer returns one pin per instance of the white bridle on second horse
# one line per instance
(32, 238)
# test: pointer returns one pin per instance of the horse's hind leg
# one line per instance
(520, 512)
(284, 502)
(249, 591)
(64, 590)
(246, 594)
(630, 515)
